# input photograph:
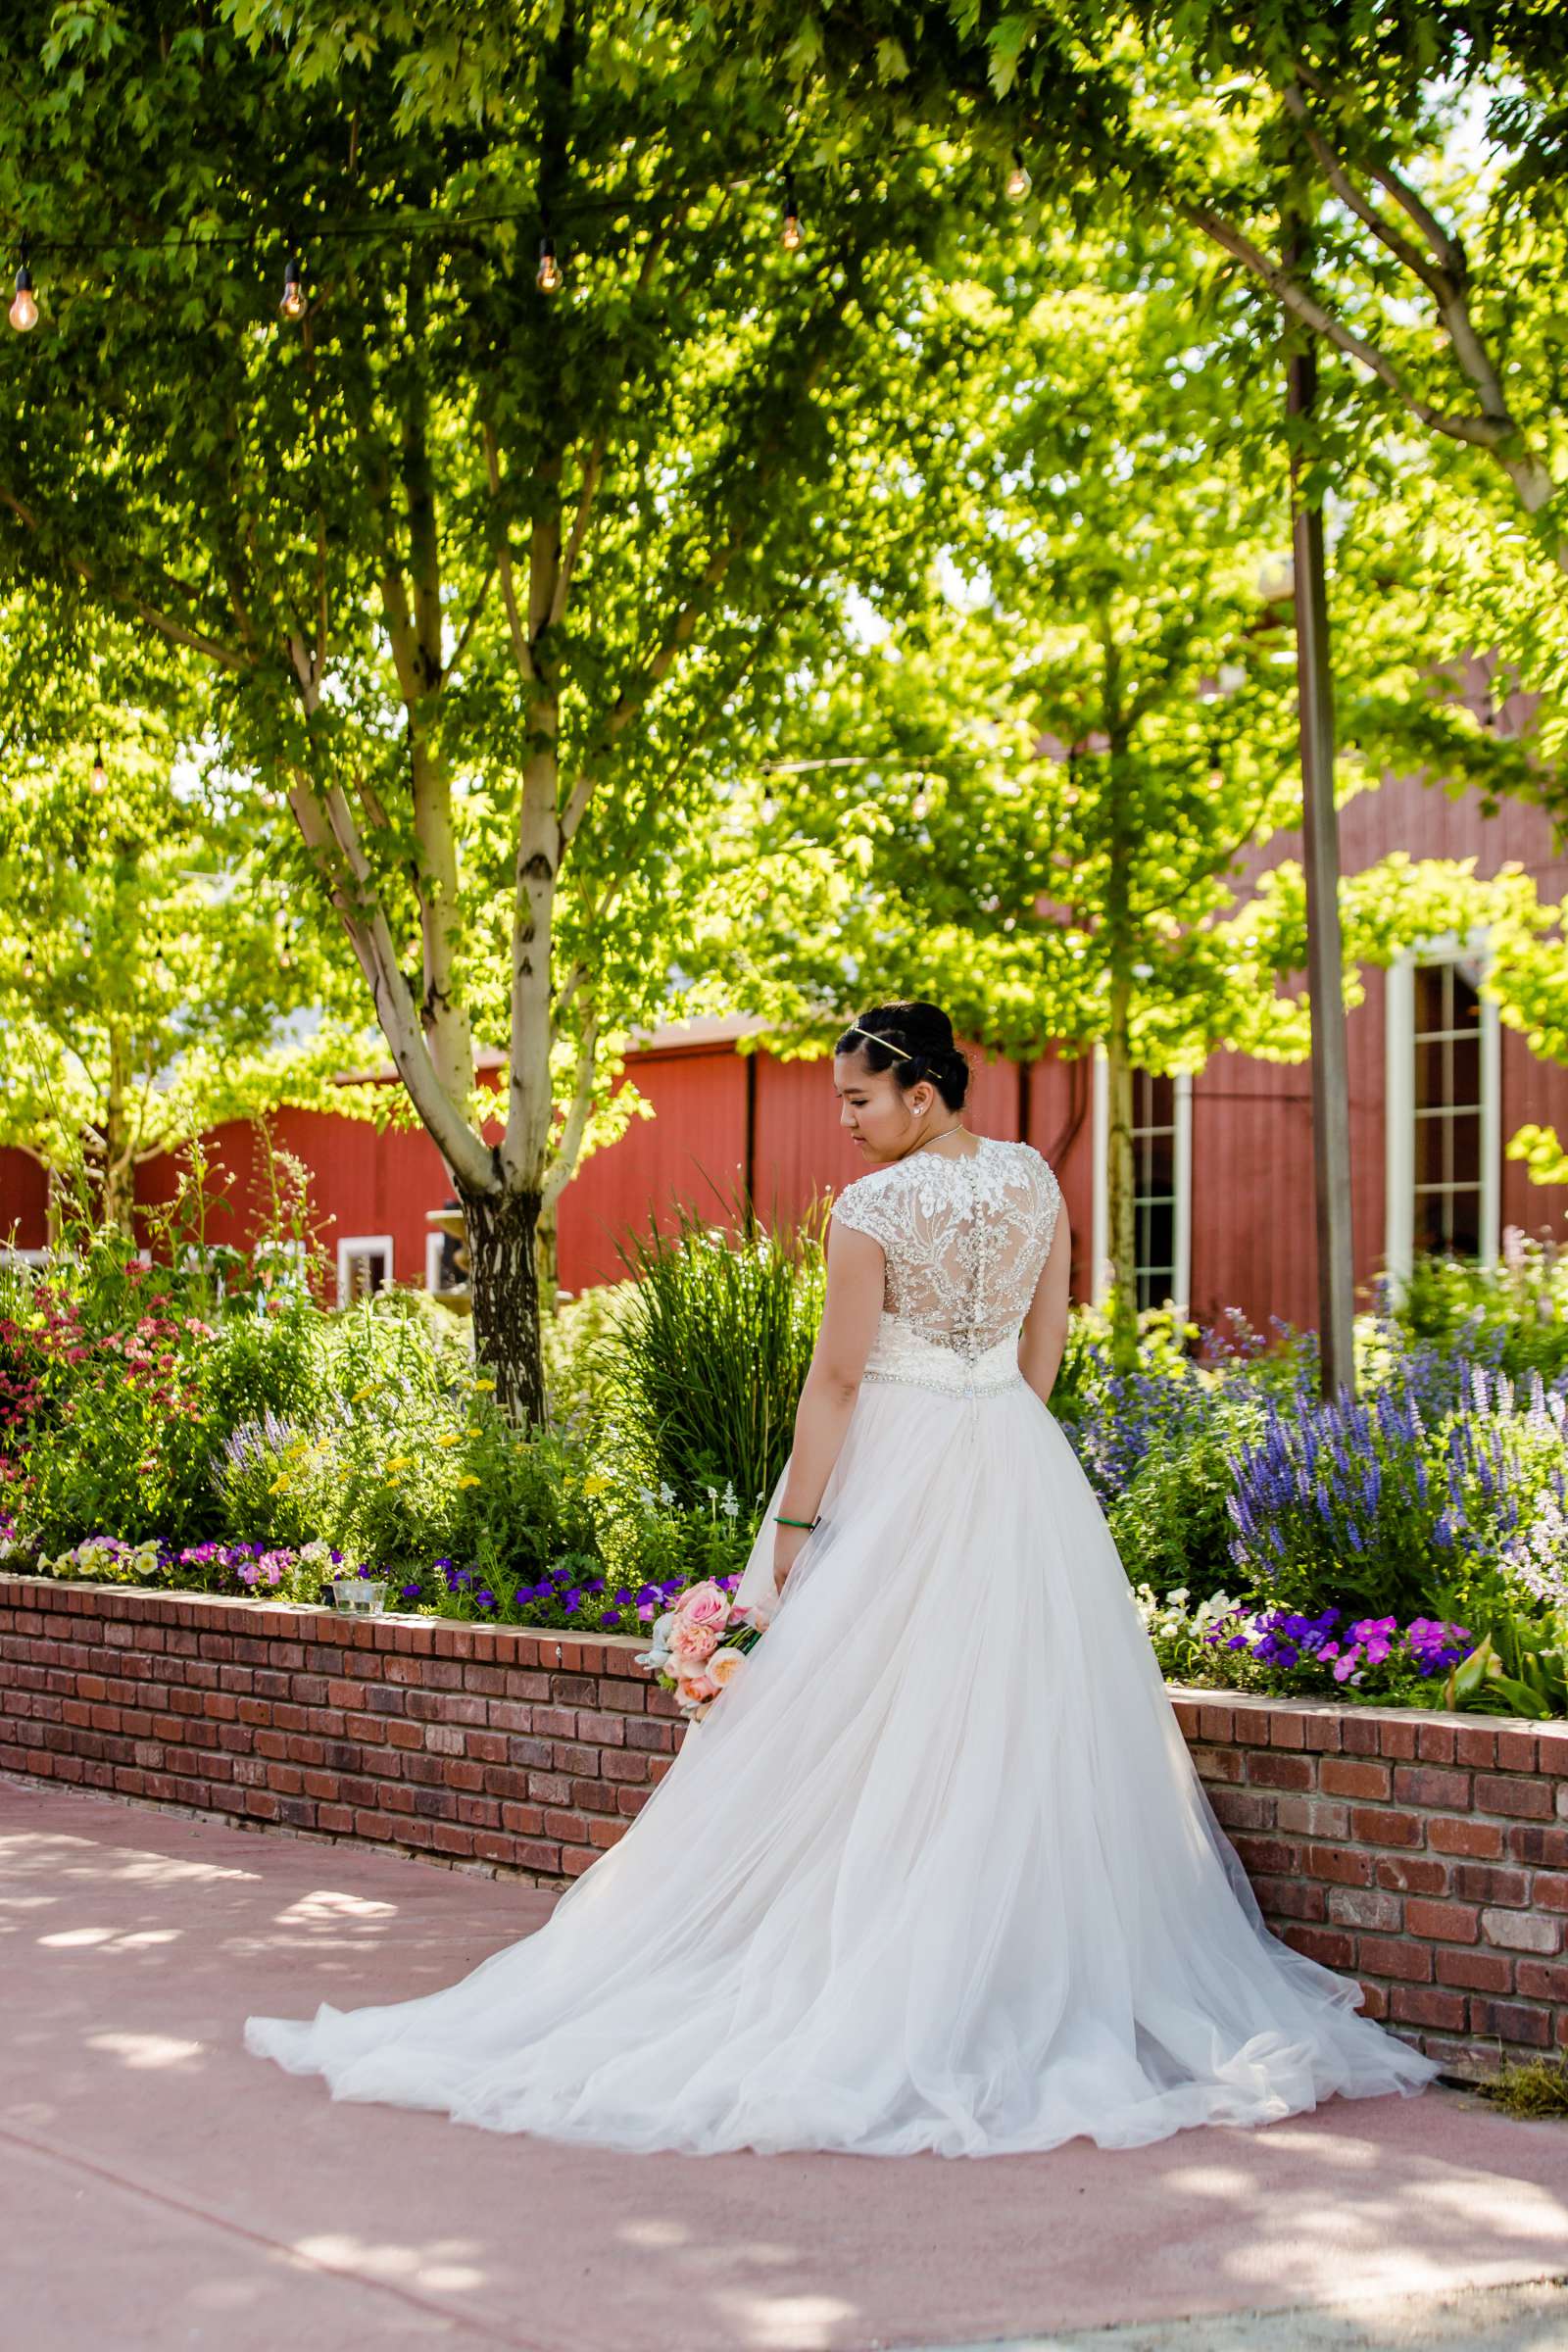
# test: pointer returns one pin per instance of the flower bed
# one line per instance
(1404, 1547)
(1425, 1853)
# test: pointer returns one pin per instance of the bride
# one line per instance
(935, 1871)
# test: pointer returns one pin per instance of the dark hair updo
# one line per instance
(920, 1044)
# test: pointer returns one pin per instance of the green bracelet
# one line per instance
(808, 1524)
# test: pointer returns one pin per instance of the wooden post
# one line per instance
(1331, 1085)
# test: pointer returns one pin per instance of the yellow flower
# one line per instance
(368, 1390)
(469, 1481)
(279, 1486)
(595, 1483)
(473, 1429)
(484, 1384)
(399, 1461)
(449, 1437)
(394, 1480)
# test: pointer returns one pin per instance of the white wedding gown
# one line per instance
(936, 1871)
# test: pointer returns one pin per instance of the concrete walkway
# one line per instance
(165, 2189)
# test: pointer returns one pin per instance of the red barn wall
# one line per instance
(23, 1200)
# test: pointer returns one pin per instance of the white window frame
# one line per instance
(1182, 1170)
(360, 1245)
(1398, 1096)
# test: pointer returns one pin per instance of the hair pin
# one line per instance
(857, 1031)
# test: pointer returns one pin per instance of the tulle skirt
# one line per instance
(935, 1872)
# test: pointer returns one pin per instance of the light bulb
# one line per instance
(23, 306)
(100, 775)
(293, 304)
(1018, 182)
(791, 234)
(549, 279)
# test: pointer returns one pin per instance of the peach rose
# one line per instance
(707, 1604)
(692, 1689)
(692, 1641)
(723, 1666)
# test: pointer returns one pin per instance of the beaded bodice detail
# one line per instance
(964, 1241)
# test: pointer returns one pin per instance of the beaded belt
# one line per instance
(901, 1354)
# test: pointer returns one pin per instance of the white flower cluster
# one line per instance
(728, 1503)
(1171, 1620)
(1537, 1560)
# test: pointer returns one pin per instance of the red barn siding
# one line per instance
(360, 1182)
(1060, 1124)
(23, 1200)
(692, 1151)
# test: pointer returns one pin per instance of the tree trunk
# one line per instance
(117, 1199)
(504, 1278)
(1121, 1218)
(1325, 957)
(547, 1258)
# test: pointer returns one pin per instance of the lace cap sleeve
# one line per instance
(867, 1206)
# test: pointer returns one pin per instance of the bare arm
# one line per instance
(851, 1313)
(1045, 1326)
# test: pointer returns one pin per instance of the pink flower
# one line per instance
(724, 1665)
(693, 1689)
(707, 1604)
(694, 1642)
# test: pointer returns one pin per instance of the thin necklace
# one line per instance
(959, 1128)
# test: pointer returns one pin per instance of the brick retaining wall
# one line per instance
(1426, 1854)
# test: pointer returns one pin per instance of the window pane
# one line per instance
(1447, 1151)
(1447, 1070)
(1447, 1103)
(1449, 1221)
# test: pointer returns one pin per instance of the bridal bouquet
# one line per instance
(699, 1646)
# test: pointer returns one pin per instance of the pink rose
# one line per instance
(694, 1642)
(707, 1604)
(693, 1691)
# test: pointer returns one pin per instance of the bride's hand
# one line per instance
(787, 1543)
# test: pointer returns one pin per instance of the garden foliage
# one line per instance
(1410, 1544)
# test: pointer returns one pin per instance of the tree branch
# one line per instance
(1481, 432)
(178, 633)
(1339, 179)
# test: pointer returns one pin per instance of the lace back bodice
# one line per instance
(964, 1239)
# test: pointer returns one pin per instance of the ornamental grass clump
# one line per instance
(703, 1369)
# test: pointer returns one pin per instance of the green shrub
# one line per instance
(1172, 1523)
(701, 1370)
(1513, 1316)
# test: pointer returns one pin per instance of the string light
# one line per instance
(100, 776)
(24, 306)
(1018, 182)
(791, 234)
(293, 304)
